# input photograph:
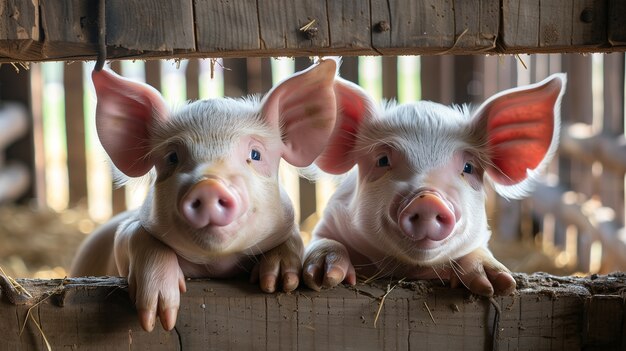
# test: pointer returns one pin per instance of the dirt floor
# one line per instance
(41, 244)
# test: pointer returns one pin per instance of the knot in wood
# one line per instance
(587, 15)
(382, 26)
(311, 32)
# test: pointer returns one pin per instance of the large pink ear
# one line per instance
(303, 107)
(353, 106)
(521, 129)
(124, 113)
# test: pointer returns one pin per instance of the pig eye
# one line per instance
(172, 158)
(468, 168)
(255, 155)
(383, 161)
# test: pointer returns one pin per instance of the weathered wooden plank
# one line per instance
(603, 320)
(617, 22)
(172, 29)
(400, 24)
(75, 131)
(349, 26)
(546, 312)
(157, 25)
(227, 25)
(19, 30)
(553, 24)
(70, 28)
(294, 26)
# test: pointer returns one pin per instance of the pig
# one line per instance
(215, 207)
(414, 205)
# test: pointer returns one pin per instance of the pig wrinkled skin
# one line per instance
(414, 206)
(215, 208)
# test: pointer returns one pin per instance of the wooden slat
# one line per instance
(390, 78)
(427, 23)
(545, 25)
(227, 25)
(281, 21)
(36, 105)
(18, 91)
(157, 25)
(437, 74)
(235, 77)
(617, 22)
(546, 312)
(192, 76)
(612, 184)
(350, 26)
(19, 30)
(75, 131)
(168, 28)
(70, 27)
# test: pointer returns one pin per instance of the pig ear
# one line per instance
(124, 113)
(303, 107)
(521, 130)
(353, 106)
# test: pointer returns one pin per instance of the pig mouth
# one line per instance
(425, 217)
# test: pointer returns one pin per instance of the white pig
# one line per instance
(215, 207)
(414, 206)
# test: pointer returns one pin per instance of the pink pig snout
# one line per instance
(210, 202)
(427, 216)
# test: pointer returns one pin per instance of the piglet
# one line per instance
(215, 208)
(414, 206)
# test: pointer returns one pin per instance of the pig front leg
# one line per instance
(280, 264)
(482, 274)
(326, 264)
(155, 279)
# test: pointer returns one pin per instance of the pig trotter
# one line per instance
(482, 274)
(281, 264)
(155, 280)
(327, 264)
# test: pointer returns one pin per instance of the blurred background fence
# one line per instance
(55, 183)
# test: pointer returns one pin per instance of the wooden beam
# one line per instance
(48, 30)
(546, 312)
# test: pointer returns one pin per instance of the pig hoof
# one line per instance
(290, 282)
(503, 284)
(168, 318)
(146, 319)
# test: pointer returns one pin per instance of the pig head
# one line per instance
(215, 207)
(414, 206)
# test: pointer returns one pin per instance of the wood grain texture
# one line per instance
(546, 25)
(281, 25)
(70, 27)
(227, 25)
(617, 22)
(137, 29)
(546, 312)
(157, 25)
(19, 29)
(75, 131)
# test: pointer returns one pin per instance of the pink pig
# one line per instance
(215, 207)
(414, 206)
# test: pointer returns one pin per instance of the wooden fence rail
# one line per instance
(545, 313)
(42, 30)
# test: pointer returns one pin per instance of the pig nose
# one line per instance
(209, 202)
(427, 216)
